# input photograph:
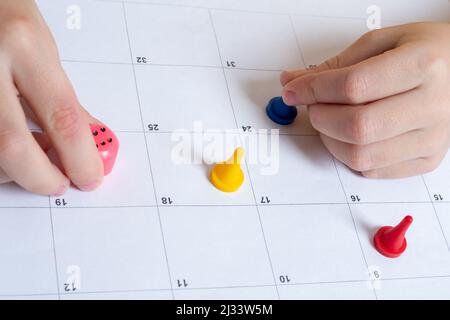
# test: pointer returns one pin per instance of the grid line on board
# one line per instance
(152, 64)
(155, 132)
(226, 205)
(58, 290)
(148, 151)
(312, 283)
(279, 13)
(245, 162)
(354, 223)
(297, 41)
(435, 213)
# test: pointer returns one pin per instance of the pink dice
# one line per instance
(107, 145)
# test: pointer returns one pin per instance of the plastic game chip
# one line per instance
(107, 145)
(228, 176)
(391, 241)
(279, 112)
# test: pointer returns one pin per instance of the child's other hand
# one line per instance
(382, 106)
(30, 67)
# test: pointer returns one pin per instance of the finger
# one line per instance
(405, 169)
(43, 142)
(390, 73)
(52, 99)
(87, 117)
(368, 45)
(28, 112)
(408, 146)
(3, 177)
(21, 158)
(289, 75)
(375, 121)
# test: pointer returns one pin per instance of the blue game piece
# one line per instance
(281, 113)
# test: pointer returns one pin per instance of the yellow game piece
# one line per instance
(228, 176)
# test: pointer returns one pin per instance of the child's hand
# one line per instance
(382, 106)
(30, 67)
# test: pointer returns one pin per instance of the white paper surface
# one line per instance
(157, 230)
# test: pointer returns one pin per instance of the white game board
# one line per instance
(159, 230)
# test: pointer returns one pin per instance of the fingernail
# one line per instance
(290, 98)
(61, 190)
(89, 187)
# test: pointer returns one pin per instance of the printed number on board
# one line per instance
(182, 283)
(153, 127)
(70, 287)
(376, 274)
(60, 202)
(284, 279)
(265, 200)
(438, 197)
(166, 200)
(247, 129)
(231, 64)
(141, 60)
(355, 198)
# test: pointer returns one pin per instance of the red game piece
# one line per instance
(390, 241)
(107, 145)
